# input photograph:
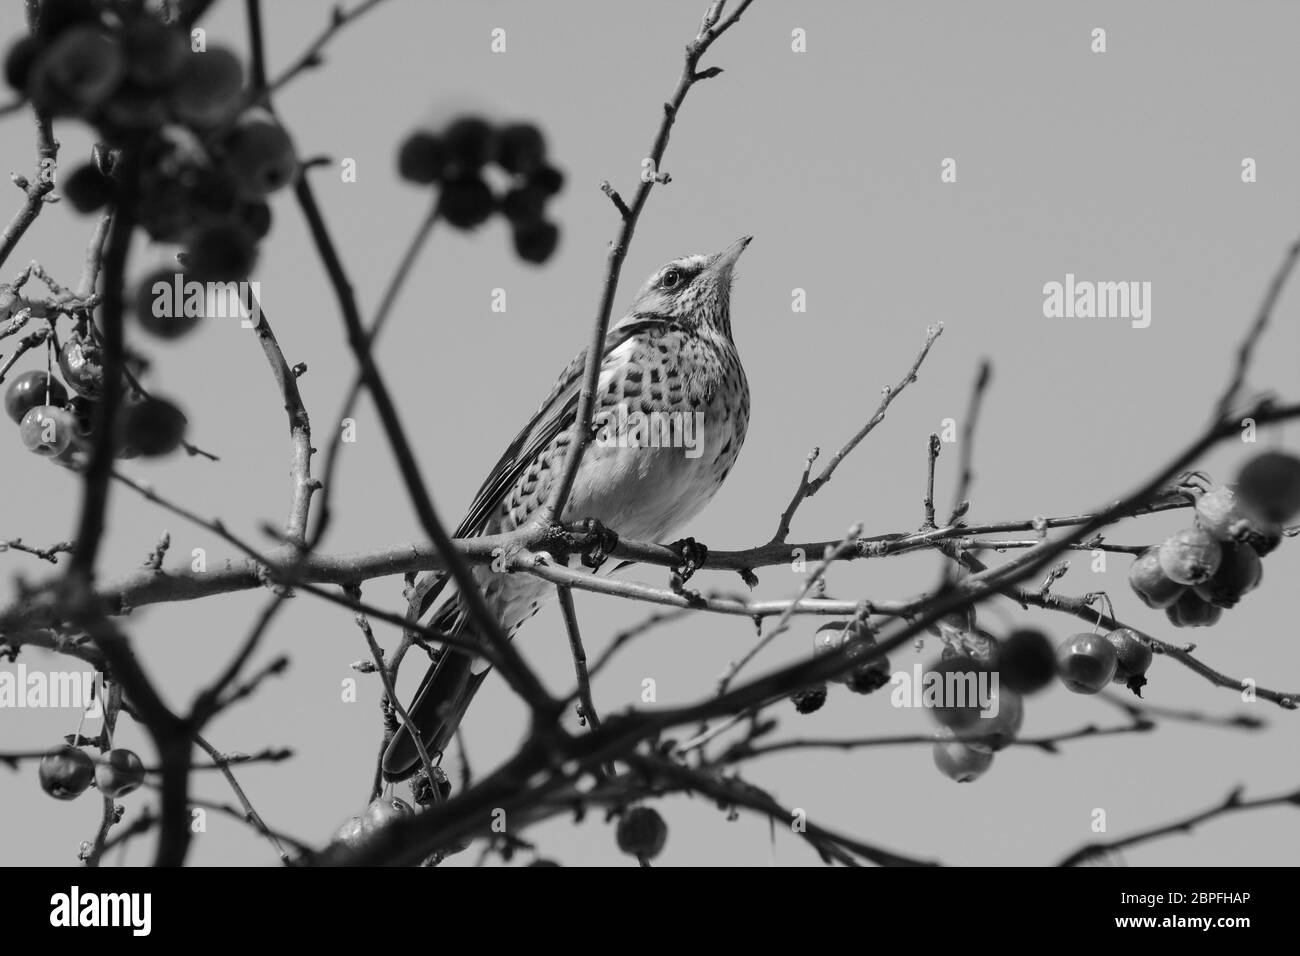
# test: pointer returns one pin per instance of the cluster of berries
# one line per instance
(62, 428)
(855, 636)
(205, 157)
(1202, 570)
(456, 160)
(67, 772)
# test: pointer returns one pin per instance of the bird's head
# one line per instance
(692, 290)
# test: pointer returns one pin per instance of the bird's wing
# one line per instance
(555, 416)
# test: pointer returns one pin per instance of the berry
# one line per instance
(156, 310)
(153, 427)
(66, 772)
(351, 833)
(466, 201)
(469, 143)
(118, 772)
(523, 204)
(1271, 483)
(547, 178)
(206, 91)
(29, 390)
(425, 793)
(47, 430)
(77, 72)
(421, 158)
(520, 147)
(536, 241)
(255, 216)
(81, 365)
(260, 154)
(642, 832)
(997, 731)
(131, 109)
(383, 811)
(1026, 661)
(1086, 663)
(1133, 658)
(155, 52)
(541, 862)
(87, 189)
(58, 15)
(958, 761)
(221, 252)
(809, 699)
(833, 635)
(1239, 572)
(1222, 512)
(868, 677)
(1191, 611)
(959, 705)
(1150, 583)
(19, 61)
(1190, 556)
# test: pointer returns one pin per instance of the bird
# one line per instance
(672, 353)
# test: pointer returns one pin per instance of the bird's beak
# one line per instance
(725, 261)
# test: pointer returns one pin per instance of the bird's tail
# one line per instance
(440, 703)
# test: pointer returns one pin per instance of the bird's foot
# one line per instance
(594, 541)
(693, 555)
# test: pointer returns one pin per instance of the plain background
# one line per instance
(1122, 166)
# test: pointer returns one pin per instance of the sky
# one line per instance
(1122, 166)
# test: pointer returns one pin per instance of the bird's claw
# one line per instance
(600, 543)
(692, 555)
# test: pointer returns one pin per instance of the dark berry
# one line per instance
(19, 61)
(466, 202)
(156, 306)
(1086, 663)
(469, 143)
(642, 832)
(66, 772)
(421, 158)
(1026, 661)
(118, 772)
(154, 427)
(30, 390)
(809, 699)
(520, 147)
(1271, 484)
(547, 178)
(536, 241)
(523, 204)
(221, 252)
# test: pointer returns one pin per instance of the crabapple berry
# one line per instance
(81, 365)
(384, 810)
(1132, 657)
(523, 204)
(1150, 583)
(207, 89)
(260, 154)
(153, 427)
(809, 699)
(1222, 512)
(1191, 611)
(1239, 572)
(77, 72)
(642, 832)
(466, 201)
(66, 772)
(47, 430)
(959, 679)
(469, 143)
(29, 390)
(958, 761)
(547, 178)
(155, 52)
(1026, 661)
(1190, 556)
(999, 730)
(421, 158)
(520, 147)
(1271, 483)
(87, 189)
(221, 252)
(535, 241)
(174, 321)
(351, 833)
(832, 636)
(1086, 663)
(19, 61)
(118, 772)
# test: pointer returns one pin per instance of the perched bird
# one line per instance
(671, 413)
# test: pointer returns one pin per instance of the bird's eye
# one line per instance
(671, 278)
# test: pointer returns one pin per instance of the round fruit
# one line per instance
(153, 427)
(28, 391)
(421, 158)
(425, 793)
(156, 308)
(833, 635)
(868, 677)
(207, 89)
(536, 241)
(960, 680)
(58, 15)
(260, 154)
(81, 365)
(87, 189)
(809, 699)
(523, 204)
(548, 179)
(47, 430)
(1271, 483)
(66, 772)
(520, 147)
(118, 772)
(541, 862)
(466, 201)
(351, 833)
(1026, 661)
(1190, 556)
(255, 216)
(1132, 657)
(999, 729)
(19, 61)
(221, 252)
(383, 811)
(1086, 663)
(642, 832)
(77, 72)
(1150, 583)
(1190, 611)
(1239, 572)
(155, 52)
(1222, 512)
(958, 761)
(469, 143)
